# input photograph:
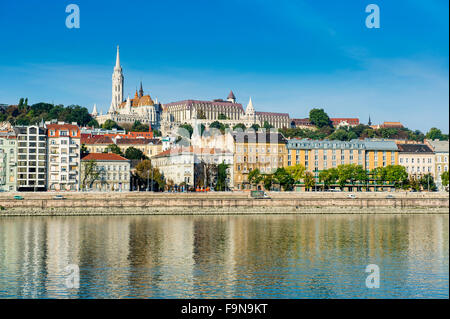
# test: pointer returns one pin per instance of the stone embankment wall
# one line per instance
(220, 203)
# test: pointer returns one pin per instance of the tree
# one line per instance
(427, 182)
(284, 178)
(151, 175)
(222, 117)
(328, 177)
(319, 118)
(445, 178)
(255, 127)
(239, 126)
(297, 171)
(187, 128)
(218, 125)
(255, 177)
(267, 126)
(139, 127)
(91, 173)
(414, 183)
(222, 177)
(83, 151)
(436, 134)
(309, 181)
(133, 153)
(268, 181)
(397, 175)
(110, 124)
(113, 148)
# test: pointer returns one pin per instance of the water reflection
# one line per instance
(309, 256)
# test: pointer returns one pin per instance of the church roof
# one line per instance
(139, 101)
(231, 95)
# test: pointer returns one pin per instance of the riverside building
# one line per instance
(8, 161)
(113, 172)
(261, 150)
(441, 159)
(64, 145)
(418, 159)
(31, 158)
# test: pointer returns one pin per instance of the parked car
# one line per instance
(18, 197)
(259, 195)
(351, 196)
(390, 196)
(59, 197)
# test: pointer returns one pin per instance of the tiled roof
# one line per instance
(414, 148)
(62, 126)
(138, 141)
(190, 103)
(103, 157)
(190, 149)
(380, 145)
(97, 140)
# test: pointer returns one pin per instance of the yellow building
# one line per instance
(265, 151)
(150, 147)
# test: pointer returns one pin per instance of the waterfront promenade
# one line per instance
(128, 203)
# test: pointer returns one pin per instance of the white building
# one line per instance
(418, 159)
(63, 156)
(179, 164)
(111, 172)
(441, 158)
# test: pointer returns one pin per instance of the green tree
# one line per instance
(436, 134)
(283, 178)
(133, 153)
(222, 117)
(268, 181)
(217, 125)
(328, 177)
(414, 183)
(139, 127)
(267, 126)
(397, 175)
(222, 176)
(188, 128)
(309, 181)
(255, 177)
(445, 178)
(255, 127)
(427, 182)
(319, 118)
(91, 173)
(113, 148)
(297, 172)
(110, 124)
(145, 171)
(239, 126)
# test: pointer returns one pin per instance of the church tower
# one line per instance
(117, 85)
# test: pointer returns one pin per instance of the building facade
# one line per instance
(8, 161)
(63, 165)
(179, 164)
(441, 159)
(150, 147)
(265, 151)
(113, 172)
(31, 158)
(418, 159)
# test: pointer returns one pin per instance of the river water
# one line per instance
(265, 256)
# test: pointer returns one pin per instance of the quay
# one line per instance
(219, 203)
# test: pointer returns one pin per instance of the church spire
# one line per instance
(141, 91)
(370, 122)
(118, 58)
(94, 110)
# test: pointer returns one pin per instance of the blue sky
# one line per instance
(289, 56)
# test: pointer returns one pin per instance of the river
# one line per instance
(247, 256)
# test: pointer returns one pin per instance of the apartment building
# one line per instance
(180, 164)
(8, 161)
(63, 165)
(441, 159)
(31, 158)
(150, 147)
(97, 143)
(418, 159)
(261, 150)
(380, 153)
(105, 172)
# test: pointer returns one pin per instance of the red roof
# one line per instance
(137, 141)
(97, 139)
(62, 126)
(103, 157)
(190, 149)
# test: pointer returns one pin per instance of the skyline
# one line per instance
(289, 57)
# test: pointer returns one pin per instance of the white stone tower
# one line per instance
(117, 85)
